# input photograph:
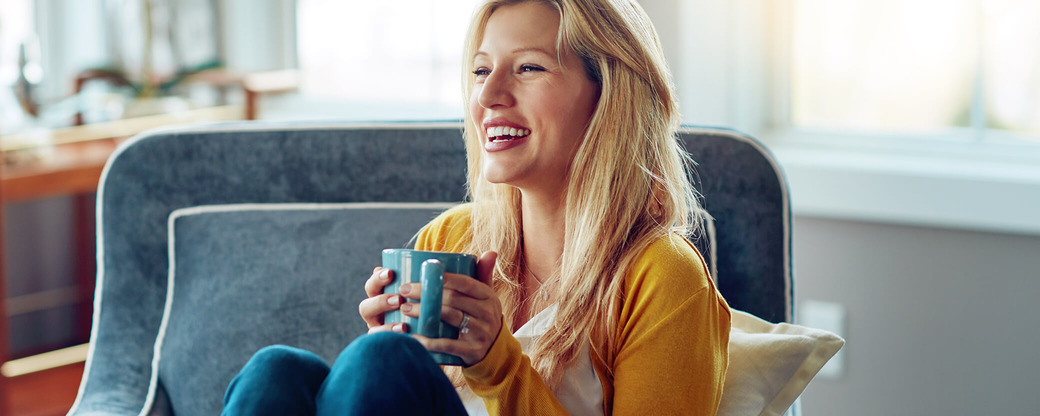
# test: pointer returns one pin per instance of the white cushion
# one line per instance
(770, 364)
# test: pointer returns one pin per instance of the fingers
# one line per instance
(472, 348)
(473, 345)
(411, 290)
(399, 328)
(449, 315)
(486, 266)
(377, 281)
(467, 286)
(454, 316)
(374, 308)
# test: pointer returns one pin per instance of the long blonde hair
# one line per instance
(627, 185)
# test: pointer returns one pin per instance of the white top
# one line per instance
(579, 391)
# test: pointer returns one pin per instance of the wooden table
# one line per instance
(71, 166)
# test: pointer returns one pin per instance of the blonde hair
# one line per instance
(627, 185)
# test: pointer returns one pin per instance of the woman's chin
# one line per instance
(504, 177)
(496, 177)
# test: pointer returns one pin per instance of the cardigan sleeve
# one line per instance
(507, 382)
(671, 348)
(451, 231)
(505, 379)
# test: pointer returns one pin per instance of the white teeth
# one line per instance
(506, 131)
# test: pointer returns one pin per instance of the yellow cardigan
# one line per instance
(672, 336)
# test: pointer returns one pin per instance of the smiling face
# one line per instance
(530, 103)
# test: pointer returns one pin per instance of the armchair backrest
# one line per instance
(746, 193)
(154, 174)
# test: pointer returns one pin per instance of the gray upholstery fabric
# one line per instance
(154, 174)
(244, 278)
(744, 190)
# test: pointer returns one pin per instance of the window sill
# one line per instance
(991, 187)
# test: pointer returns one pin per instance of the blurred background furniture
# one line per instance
(243, 201)
(42, 164)
(223, 82)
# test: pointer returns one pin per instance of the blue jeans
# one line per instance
(384, 373)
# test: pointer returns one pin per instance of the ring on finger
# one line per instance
(463, 325)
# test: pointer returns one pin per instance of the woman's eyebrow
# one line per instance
(520, 50)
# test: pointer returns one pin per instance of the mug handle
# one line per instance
(432, 279)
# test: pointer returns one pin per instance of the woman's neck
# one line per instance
(544, 222)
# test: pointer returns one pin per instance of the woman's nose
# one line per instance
(496, 91)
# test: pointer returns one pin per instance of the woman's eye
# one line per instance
(530, 68)
(481, 72)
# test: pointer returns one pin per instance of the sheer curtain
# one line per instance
(391, 55)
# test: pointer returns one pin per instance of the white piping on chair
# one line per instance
(784, 193)
(290, 126)
(171, 279)
(301, 206)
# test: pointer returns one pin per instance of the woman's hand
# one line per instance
(377, 304)
(475, 298)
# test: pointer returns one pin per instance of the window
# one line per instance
(923, 66)
(401, 53)
(16, 36)
(923, 112)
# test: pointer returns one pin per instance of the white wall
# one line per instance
(940, 322)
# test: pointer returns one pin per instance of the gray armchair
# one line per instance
(214, 241)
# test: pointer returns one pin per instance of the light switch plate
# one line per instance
(831, 317)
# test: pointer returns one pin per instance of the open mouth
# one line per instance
(499, 134)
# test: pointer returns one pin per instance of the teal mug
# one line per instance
(426, 268)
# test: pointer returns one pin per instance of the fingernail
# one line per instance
(384, 274)
(393, 300)
(399, 328)
(407, 307)
(406, 289)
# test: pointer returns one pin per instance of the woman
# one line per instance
(579, 204)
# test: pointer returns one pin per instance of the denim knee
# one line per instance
(383, 344)
(278, 379)
(387, 373)
(282, 362)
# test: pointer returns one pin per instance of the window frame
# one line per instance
(965, 178)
